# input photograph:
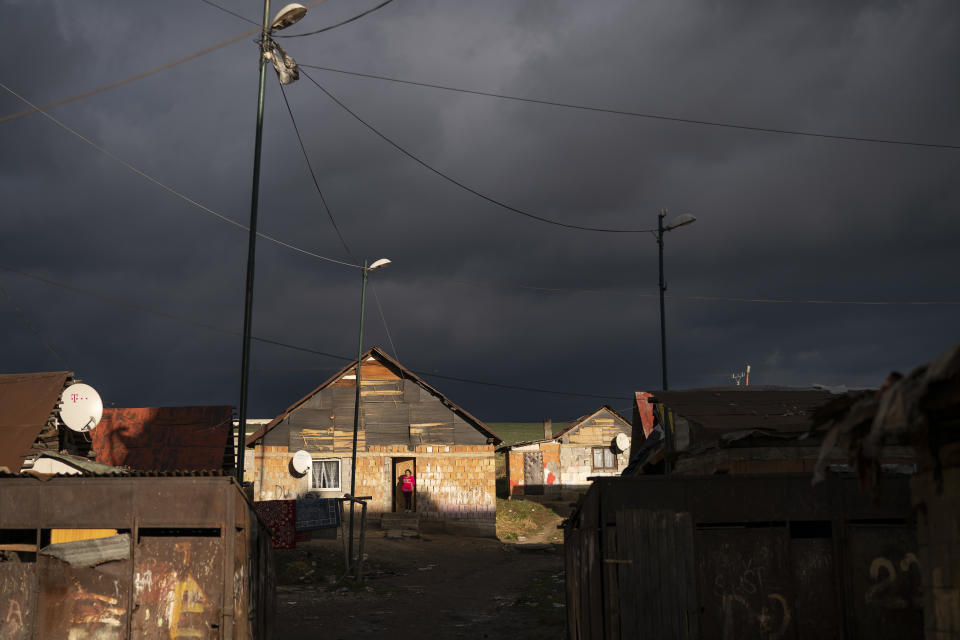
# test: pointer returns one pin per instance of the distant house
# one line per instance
(404, 424)
(562, 463)
(738, 430)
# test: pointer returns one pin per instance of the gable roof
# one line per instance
(576, 424)
(399, 369)
(27, 403)
(570, 428)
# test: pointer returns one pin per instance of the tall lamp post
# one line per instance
(287, 16)
(382, 262)
(679, 221)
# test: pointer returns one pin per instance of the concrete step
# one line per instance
(400, 521)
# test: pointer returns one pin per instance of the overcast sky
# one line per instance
(779, 217)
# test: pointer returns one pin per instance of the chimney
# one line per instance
(747, 384)
(548, 429)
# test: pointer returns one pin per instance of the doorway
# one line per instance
(400, 466)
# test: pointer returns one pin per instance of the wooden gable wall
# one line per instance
(395, 411)
(598, 430)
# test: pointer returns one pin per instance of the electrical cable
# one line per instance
(339, 24)
(630, 294)
(234, 14)
(176, 318)
(637, 114)
(169, 189)
(383, 319)
(33, 329)
(313, 174)
(123, 81)
(460, 184)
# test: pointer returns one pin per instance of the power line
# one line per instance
(167, 188)
(639, 294)
(313, 174)
(32, 327)
(460, 184)
(123, 81)
(637, 114)
(176, 318)
(339, 24)
(234, 14)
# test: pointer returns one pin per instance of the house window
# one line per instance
(603, 458)
(325, 475)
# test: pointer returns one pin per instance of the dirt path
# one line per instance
(432, 587)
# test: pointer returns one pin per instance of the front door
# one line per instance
(533, 473)
(400, 465)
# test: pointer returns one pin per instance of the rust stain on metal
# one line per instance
(165, 438)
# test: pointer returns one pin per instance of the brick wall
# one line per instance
(456, 484)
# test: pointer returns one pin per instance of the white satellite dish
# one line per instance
(80, 407)
(301, 462)
(620, 443)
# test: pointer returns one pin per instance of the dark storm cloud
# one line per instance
(779, 216)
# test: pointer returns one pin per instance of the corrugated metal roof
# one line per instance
(746, 408)
(27, 401)
(165, 438)
(379, 354)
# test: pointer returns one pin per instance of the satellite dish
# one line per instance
(301, 463)
(80, 407)
(620, 443)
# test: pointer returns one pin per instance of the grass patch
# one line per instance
(526, 521)
(512, 432)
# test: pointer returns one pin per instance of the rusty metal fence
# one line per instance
(112, 558)
(723, 557)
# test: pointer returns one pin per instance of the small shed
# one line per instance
(560, 466)
(742, 430)
(126, 555)
(404, 424)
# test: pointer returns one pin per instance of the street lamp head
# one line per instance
(382, 262)
(679, 221)
(287, 16)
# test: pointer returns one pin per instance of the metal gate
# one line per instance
(533, 473)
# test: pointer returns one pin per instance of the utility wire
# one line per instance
(169, 316)
(167, 188)
(123, 81)
(639, 294)
(339, 24)
(637, 114)
(149, 72)
(457, 182)
(383, 319)
(234, 14)
(313, 174)
(33, 329)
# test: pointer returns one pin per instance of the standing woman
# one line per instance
(409, 483)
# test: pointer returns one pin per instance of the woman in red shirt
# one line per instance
(409, 482)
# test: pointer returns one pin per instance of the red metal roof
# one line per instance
(27, 401)
(166, 438)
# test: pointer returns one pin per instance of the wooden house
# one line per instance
(404, 424)
(562, 464)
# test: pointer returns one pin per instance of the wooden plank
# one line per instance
(278, 436)
(466, 433)
(690, 621)
(611, 592)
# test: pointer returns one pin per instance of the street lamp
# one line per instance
(382, 262)
(285, 17)
(679, 221)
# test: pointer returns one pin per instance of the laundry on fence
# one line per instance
(317, 513)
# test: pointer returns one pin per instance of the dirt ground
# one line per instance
(434, 586)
